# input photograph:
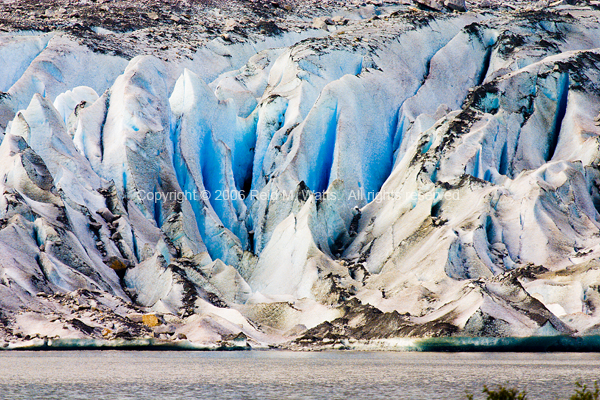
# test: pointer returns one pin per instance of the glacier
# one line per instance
(394, 174)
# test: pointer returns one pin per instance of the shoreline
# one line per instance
(535, 344)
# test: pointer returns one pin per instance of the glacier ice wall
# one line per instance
(408, 176)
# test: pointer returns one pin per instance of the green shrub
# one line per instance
(582, 392)
(501, 393)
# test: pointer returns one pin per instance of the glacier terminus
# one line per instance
(294, 175)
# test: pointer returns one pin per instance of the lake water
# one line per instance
(286, 375)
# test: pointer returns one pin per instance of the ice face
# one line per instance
(417, 179)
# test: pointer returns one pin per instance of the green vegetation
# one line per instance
(582, 392)
(501, 393)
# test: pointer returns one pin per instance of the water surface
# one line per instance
(286, 375)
